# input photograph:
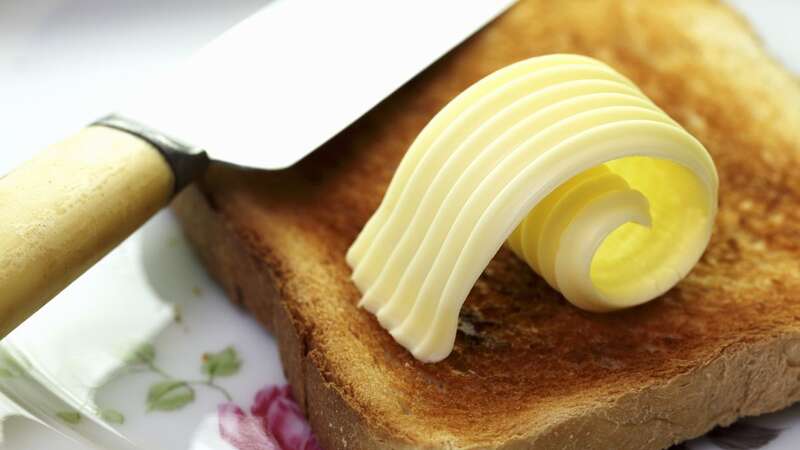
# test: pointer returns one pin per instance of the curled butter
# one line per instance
(598, 190)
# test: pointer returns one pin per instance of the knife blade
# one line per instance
(281, 83)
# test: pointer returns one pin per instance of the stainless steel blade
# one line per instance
(284, 81)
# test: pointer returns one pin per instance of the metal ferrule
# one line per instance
(187, 162)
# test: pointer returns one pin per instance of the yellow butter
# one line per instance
(589, 182)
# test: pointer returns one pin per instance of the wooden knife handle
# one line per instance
(63, 210)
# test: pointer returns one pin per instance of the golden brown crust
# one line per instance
(529, 369)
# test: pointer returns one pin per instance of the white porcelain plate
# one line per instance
(144, 351)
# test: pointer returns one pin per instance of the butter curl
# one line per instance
(598, 190)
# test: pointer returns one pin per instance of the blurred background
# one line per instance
(64, 63)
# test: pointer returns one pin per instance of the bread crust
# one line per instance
(528, 369)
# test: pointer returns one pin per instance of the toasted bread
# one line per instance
(528, 369)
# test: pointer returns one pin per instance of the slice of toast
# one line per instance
(528, 369)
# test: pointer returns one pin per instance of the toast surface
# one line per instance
(528, 369)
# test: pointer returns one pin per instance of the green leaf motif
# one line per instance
(70, 417)
(169, 395)
(144, 354)
(112, 416)
(9, 367)
(222, 364)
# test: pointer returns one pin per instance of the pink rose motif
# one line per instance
(242, 431)
(283, 418)
(275, 422)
